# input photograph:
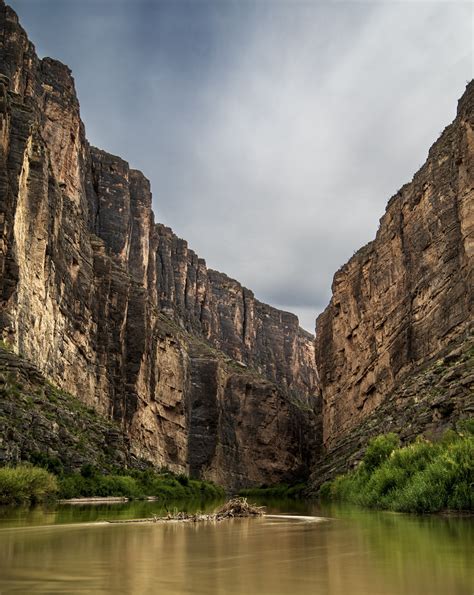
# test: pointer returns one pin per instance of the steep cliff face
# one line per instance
(229, 316)
(407, 297)
(198, 374)
(228, 406)
(108, 304)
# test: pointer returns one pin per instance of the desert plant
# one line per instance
(379, 449)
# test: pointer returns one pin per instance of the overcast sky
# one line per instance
(273, 132)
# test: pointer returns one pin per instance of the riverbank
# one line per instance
(27, 484)
(422, 477)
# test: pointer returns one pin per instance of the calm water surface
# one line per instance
(339, 551)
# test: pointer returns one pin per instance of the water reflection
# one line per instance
(87, 513)
(355, 552)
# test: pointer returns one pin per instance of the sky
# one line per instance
(273, 132)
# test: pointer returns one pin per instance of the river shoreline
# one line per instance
(104, 500)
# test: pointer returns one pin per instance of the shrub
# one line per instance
(89, 470)
(135, 484)
(26, 484)
(183, 479)
(466, 426)
(325, 491)
(52, 464)
(281, 490)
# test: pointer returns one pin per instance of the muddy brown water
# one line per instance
(304, 549)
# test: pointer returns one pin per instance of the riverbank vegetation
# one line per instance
(136, 484)
(421, 477)
(27, 484)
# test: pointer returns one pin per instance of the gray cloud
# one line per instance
(273, 133)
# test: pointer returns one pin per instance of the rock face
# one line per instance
(117, 310)
(40, 423)
(405, 298)
(230, 406)
(430, 400)
(231, 319)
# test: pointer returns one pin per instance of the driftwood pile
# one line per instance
(239, 507)
(234, 508)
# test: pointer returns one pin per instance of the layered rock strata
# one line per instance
(107, 303)
(229, 316)
(431, 399)
(406, 297)
(198, 374)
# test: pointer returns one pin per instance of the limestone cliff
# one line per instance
(118, 311)
(428, 401)
(406, 298)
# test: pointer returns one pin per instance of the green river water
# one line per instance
(332, 551)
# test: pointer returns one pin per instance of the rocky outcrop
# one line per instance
(406, 297)
(42, 424)
(228, 405)
(109, 305)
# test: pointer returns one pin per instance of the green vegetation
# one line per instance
(421, 477)
(26, 484)
(281, 490)
(135, 484)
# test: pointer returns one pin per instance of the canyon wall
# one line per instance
(118, 311)
(229, 316)
(404, 299)
(198, 374)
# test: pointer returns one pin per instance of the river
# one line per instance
(333, 550)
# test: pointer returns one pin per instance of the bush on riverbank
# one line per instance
(26, 484)
(421, 477)
(281, 490)
(135, 484)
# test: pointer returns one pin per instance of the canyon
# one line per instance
(197, 374)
